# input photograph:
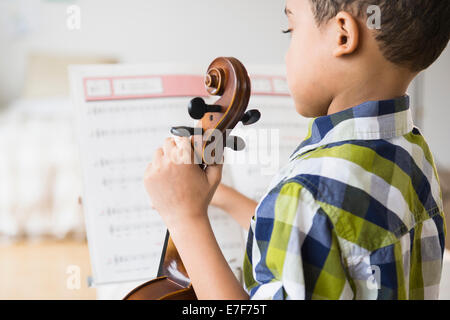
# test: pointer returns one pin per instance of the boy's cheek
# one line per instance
(309, 75)
(299, 77)
(308, 92)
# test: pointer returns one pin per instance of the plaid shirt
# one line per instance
(356, 214)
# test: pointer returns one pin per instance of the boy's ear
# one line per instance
(347, 34)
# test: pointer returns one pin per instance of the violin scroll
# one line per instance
(227, 78)
(214, 81)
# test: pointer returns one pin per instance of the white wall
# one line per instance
(142, 31)
(436, 111)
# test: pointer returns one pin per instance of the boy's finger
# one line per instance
(184, 149)
(188, 153)
(169, 145)
(157, 158)
(182, 142)
(148, 171)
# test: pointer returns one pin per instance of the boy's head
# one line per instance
(345, 52)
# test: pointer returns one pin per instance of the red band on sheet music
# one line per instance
(139, 87)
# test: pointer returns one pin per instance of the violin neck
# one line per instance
(163, 255)
(171, 265)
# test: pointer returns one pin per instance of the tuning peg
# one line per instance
(197, 108)
(235, 143)
(251, 117)
(186, 131)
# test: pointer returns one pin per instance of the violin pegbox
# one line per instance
(228, 79)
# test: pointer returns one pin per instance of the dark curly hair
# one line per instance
(413, 33)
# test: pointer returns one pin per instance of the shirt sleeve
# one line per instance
(292, 249)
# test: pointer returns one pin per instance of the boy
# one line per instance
(357, 213)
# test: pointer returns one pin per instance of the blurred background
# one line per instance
(42, 235)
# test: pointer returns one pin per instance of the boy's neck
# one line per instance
(374, 86)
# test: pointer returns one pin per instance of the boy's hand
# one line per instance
(179, 189)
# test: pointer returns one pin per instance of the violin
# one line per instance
(227, 78)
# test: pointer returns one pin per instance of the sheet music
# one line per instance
(123, 114)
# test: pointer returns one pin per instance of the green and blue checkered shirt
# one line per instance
(356, 214)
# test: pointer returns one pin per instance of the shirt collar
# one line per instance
(372, 120)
